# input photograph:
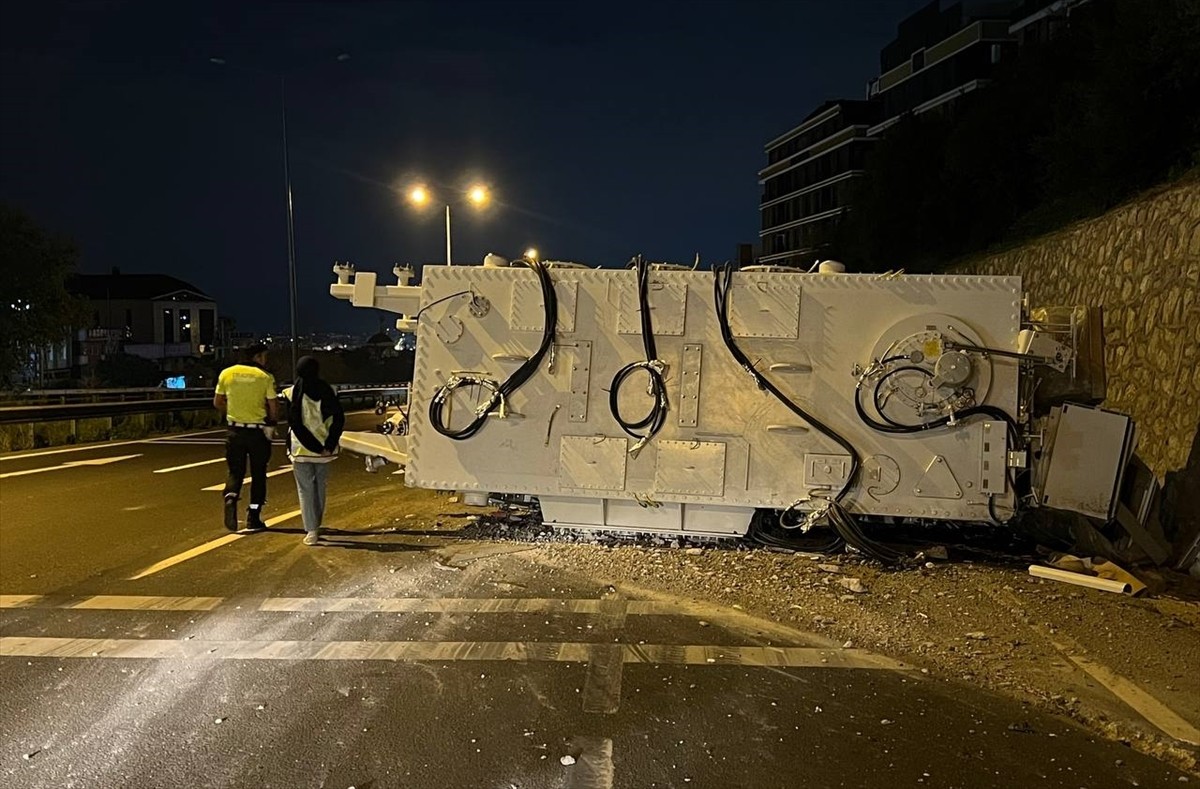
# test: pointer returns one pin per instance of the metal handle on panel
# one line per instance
(787, 429)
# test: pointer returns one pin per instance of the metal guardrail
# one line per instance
(65, 396)
(57, 411)
(49, 412)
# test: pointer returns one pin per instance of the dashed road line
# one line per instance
(100, 445)
(71, 464)
(246, 481)
(188, 465)
(199, 550)
(192, 553)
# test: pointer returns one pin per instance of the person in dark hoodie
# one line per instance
(315, 424)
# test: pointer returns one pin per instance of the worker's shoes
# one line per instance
(254, 522)
(231, 520)
(311, 537)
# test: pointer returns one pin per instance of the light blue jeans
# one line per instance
(310, 484)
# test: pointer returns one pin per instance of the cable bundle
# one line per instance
(839, 518)
(654, 367)
(498, 400)
(722, 282)
(889, 425)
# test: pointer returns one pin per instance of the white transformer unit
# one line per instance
(659, 398)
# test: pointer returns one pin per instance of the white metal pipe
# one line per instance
(1068, 577)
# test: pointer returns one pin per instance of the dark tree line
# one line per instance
(1070, 128)
(36, 310)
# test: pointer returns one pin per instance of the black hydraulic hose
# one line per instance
(879, 385)
(722, 282)
(499, 391)
(897, 428)
(900, 429)
(645, 428)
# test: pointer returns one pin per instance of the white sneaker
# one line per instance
(311, 537)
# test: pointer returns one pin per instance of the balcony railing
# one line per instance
(163, 350)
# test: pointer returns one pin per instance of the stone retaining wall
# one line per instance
(1141, 262)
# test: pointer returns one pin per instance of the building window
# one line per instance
(995, 53)
(168, 326)
(918, 60)
(207, 326)
(185, 325)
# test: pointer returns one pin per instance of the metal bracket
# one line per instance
(938, 482)
(581, 366)
(689, 384)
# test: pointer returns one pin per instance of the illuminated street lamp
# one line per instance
(477, 195)
(531, 255)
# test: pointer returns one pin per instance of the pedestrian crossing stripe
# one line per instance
(416, 605)
(440, 651)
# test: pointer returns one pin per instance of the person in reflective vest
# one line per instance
(245, 395)
(315, 424)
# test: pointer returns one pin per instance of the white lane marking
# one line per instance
(466, 651)
(594, 767)
(20, 600)
(199, 550)
(183, 557)
(71, 464)
(473, 605)
(192, 437)
(188, 465)
(105, 602)
(417, 605)
(602, 683)
(100, 445)
(444, 605)
(1160, 715)
(246, 481)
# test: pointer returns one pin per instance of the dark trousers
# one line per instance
(251, 442)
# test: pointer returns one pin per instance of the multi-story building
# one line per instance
(938, 56)
(808, 180)
(1040, 21)
(154, 316)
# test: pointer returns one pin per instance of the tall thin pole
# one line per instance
(449, 260)
(291, 236)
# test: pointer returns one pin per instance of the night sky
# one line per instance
(605, 129)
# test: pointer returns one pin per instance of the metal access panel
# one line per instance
(1088, 455)
(726, 443)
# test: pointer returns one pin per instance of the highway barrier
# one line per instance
(61, 417)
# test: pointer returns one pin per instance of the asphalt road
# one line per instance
(142, 646)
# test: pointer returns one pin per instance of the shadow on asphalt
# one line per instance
(448, 533)
(379, 547)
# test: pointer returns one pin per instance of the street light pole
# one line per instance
(287, 185)
(291, 225)
(419, 196)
